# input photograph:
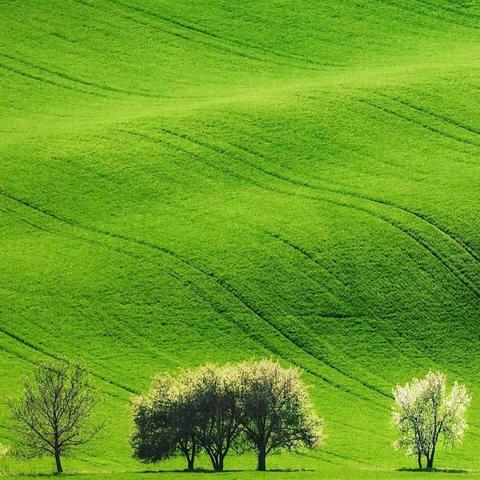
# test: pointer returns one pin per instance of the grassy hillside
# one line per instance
(184, 182)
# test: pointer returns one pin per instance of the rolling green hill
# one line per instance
(187, 182)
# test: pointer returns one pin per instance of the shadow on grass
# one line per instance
(435, 470)
(141, 472)
(206, 470)
(42, 475)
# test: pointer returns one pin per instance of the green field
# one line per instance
(187, 182)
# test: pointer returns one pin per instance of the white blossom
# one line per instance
(424, 414)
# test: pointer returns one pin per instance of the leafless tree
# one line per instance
(53, 411)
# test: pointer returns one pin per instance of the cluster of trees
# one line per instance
(256, 406)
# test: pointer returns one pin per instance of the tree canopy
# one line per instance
(53, 410)
(254, 405)
(424, 413)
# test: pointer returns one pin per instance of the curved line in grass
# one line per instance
(406, 230)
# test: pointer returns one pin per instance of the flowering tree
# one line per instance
(215, 393)
(424, 413)
(254, 405)
(165, 420)
(275, 410)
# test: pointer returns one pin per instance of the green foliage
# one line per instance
(216, 409)
(256, 405)
(165, 422)
(275, 410)
(193, 182)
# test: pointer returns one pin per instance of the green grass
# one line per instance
(185, 182)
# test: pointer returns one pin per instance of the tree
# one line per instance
(424, 413)
(165, 422)
(275, 411)
(216, 403)
(53, 410)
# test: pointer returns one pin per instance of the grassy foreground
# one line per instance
(329, 473)
(186, 182)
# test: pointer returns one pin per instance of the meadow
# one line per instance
(192, 182)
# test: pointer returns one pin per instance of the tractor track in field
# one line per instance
(214, 165)
(233, 292)
(227, 45)
(27, 222)
(199, 158)
(413, 121)
(37, 78)
(462, 277)
(335, 189)
(25, 358)
(260, 339)
(452, 236)
(129, 332)
(429, 13)
(446, 9)
(454, 270)
(15, 354)
(294, 341)
(212, 46)
(395, 254)
(306, 254)
(76, 80)
(218, 281)
(42, 351)
(256, 312)
(438, 116)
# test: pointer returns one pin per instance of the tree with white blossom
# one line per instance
(425, 413)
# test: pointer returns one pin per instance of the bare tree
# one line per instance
(424, 413)
(53, 410)
(275, 411)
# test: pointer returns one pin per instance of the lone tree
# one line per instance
(275, 411)
(216, 398)
(53, 411)
(165, 422)
(424, 413)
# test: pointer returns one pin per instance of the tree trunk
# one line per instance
(262, 455)
(58, 462)
(191, 456)
(430, 463)
(419, 457)
(218, 464)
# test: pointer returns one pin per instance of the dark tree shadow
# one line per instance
(435, 470)
(206, 470)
